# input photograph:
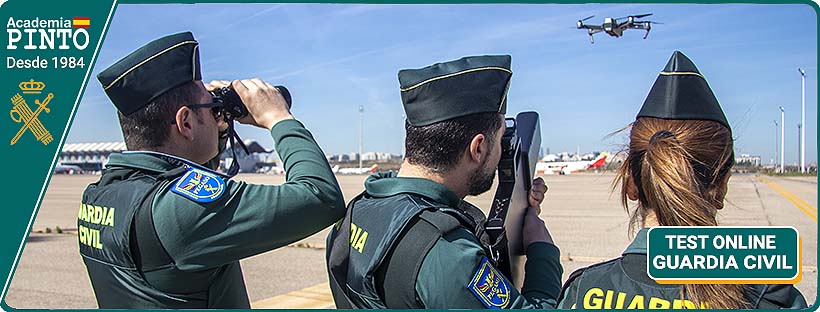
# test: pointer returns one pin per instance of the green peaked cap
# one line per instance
(448, 90)
(150, 71)
(681, 92)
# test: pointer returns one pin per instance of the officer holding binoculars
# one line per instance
(164, 231)
(410, 240)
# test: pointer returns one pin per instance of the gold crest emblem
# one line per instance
(22, 113)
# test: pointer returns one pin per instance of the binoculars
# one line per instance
(233, 106)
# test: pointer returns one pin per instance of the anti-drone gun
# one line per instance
(520, 145)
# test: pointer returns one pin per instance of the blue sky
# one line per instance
(336, 57)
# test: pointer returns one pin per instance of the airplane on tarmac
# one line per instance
(274, 170)
(569, 167)
(67, 169)
(370, 170)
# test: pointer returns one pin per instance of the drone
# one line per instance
(616, 29)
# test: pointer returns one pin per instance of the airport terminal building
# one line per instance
(91, 157)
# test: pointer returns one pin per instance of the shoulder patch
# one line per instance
(199, 185)
(489, 286)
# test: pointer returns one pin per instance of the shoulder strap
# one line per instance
(338, 258)
(403, 263)
(146, 249)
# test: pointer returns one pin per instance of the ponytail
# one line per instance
(680, 169)
(668, 184)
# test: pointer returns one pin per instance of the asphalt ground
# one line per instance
(583, 215)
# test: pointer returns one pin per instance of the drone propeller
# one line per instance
(652, 22)
(635, 16)
(580, 23)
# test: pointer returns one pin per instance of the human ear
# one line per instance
(184, 123)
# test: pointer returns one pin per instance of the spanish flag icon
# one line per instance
(81, 22)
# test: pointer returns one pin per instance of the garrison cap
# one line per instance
(681, 92)
(443, 91)
(153, 69)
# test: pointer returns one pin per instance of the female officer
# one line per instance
(677, 168)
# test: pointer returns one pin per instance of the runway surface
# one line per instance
(583, 215)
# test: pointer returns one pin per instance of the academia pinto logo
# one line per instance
(724, 255)
(22, 113)
(39, 35)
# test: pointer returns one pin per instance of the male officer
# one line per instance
(158, 230)
(410, 241)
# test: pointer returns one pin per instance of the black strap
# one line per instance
(339, 257)
(146, 249)
(396, 277)
(234, 169)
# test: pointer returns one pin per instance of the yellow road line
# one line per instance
(795, 197)
(808, 209)
(314, 297)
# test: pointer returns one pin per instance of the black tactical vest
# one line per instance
(375, 224)
(608, 286)
(127, 272)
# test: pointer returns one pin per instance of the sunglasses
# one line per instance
(216, 108)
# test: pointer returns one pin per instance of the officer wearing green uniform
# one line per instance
(410, 240)
(158, 230)
(680, 119)
(622, 283)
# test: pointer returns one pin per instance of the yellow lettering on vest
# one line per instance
(636, 303)
(109, 219)
(80, 213)
(360, 242)
(89, 212)
(83, 232)
(704, 305)
(683, 304)
(89, 237)
(353, 232)
(658, 303)
(619, 303)
(608, 299)
(591, 302)
(98, 245)
(98, 214)
(85, 212)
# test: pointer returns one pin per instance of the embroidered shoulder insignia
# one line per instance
(491, 288)
(199, 185)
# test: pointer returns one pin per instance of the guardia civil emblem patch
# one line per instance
(200, 186)
(490, 286)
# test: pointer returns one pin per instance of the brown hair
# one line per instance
(680, 169)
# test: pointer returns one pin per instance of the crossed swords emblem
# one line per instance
(21, 113)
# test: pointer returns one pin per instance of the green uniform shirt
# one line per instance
(444, 279)
(255, 218)
(623, 283)
(206, 240)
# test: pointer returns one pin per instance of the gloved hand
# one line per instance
(534, 228)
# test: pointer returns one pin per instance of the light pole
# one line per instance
(803, 124)
(776, 143)
(361, 133)
(782, 139)
(798, 137)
